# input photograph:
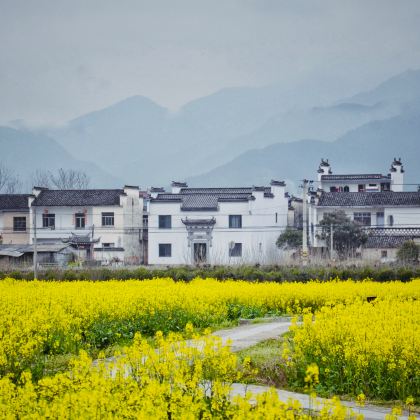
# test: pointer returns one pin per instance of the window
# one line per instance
(108, 245)
(145, 221)
(19, 224)
(380, 218)
(108, 219)
(235, 250)
(165, 250)
(333, 189)
(361, 187)
(235, 221)
(277, 217)
(346, 188)
(362, 218)
(386, 186)
(165, 222)
(80, 220)
(48, 220)
(384, 253)
(391, 220)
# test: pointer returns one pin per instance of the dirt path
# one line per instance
(246, 336)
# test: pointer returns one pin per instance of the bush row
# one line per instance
(251, 273)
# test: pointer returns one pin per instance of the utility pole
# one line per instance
(305, 223)
(331, 241)
(35, 258)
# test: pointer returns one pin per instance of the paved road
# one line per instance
(251, 334)
(248, 335)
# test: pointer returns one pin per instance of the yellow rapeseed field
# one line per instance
(364, 348)
(46, 318)
(345, 345)
(175, 380)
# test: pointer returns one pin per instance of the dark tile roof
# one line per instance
(79, 198)
(369, 199)
(208, 198)
(386, 241)
(354, 177)
(14, 202)
(201, 222)
(222, 190)
(199, 202)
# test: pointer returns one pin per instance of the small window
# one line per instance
(165, 222)
(108, 219)
(384, 253)
(108, 245)
(235, 221)
(277, 217)
(363, 218)
(80, 220)
(361, 188)
(391, 220)
(19, 224)
(165, 250)
(235, 250)
(48, 220)
(333, 189)
(346, 188)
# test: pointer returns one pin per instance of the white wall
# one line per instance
(258, 234)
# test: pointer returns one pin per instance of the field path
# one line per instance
(248, 335)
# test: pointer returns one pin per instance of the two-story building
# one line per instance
(389, 215)
(102, 225)
(14, 219)
(216, 225)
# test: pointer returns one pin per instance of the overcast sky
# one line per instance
(60, 59)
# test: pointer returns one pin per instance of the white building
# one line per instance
(216, 225)
(330, 182)
(100, 225)
(389, 215)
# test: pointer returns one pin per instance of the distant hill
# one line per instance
(26, 152)
(140, 142)
(146, 144)
(370, 147)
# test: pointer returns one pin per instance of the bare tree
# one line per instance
(66, 179)
(41, 178)
(9, 181)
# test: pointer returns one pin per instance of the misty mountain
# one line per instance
(25, 152)
(147, 144)
(369, 148)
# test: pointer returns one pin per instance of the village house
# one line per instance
(389, 215)
(216, 225)
(14, 219)
(100, 225)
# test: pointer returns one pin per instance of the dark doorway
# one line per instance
(200, 253)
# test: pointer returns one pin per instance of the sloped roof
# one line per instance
(78, 198)
(352, 177)
(14, 202)
(192, 199)
(369, 199)
(18, 250)
(386, 241)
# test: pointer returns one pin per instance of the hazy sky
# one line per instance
(60, 59)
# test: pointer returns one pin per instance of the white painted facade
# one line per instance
(389, 216)
(263, 217)
(114, 241)
(330, 182)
